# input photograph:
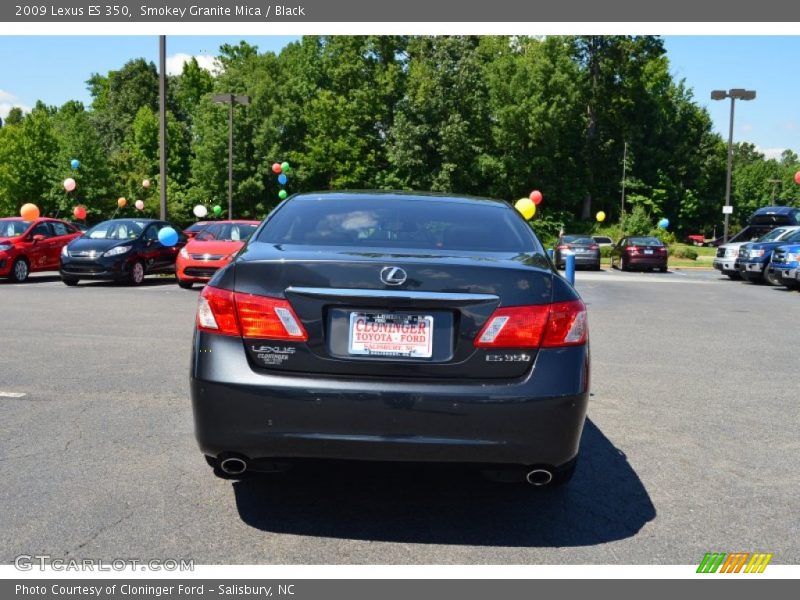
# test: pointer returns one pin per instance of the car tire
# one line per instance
(20, 270)
(136, 276)
(186, 285)
(622, 265)
(662, 269)
(70, 281)
(770, 278)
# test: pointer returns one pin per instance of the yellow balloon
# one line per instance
(526, 207)
(29, 212)
(601, 216)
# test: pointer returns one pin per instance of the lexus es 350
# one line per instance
(391, 327)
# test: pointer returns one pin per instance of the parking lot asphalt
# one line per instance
(691, 443)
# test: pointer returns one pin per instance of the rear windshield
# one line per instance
(577, 239)
(391, 222)
(644, 241)
(226, 232)
(13, 228)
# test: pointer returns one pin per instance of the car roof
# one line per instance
(775, 210)
(397, 195)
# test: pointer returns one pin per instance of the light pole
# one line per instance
(774, 183)
(162, 125)
(734, 94)
(231, 99)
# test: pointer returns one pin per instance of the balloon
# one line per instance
(526, 208)
(285, 166)
(663, 223)
(217, 210)
(282, 179)
(121, 202)
(536, 197)
(168, 236)
(69, 184)
(29, 211)
(200, 211)
(276, 168)
(79, 212)
(146, 183)
(75, 164)
(282, 194)
(139, 205)
(601, 216)
(797, 178)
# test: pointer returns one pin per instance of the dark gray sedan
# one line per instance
(391, 327)
(585, 249)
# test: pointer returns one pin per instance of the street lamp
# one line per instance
(734, 94)
(231, 99)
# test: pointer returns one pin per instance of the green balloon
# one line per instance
(217, 209)
(285, 166)
(282, 194)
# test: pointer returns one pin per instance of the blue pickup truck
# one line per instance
(785, 265)
(754, 257)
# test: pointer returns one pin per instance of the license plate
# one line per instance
(648, 251)
(378, 334)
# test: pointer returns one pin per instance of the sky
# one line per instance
(54, 69)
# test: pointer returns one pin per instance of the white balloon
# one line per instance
(200, 211)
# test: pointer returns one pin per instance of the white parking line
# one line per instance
(12, 394)
(579, 277)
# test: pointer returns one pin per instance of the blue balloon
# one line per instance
(663, 223)
(168, 236)
(282, 179)
(75, 163)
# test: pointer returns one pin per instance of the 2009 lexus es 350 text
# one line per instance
(393, 327)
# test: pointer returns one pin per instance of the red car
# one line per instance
(211, 249)
(640, 252)
(30, 246)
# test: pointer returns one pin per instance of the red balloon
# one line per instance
(79, 212)
(797, 178)
(276, 168)
(536, 197)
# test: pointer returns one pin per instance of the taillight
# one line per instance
(248, 315)
(562, 247)
(268, 318)
(216, 312)
(594, 247)
(546, 325)
(631, 249)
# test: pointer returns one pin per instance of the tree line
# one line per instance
(492, 116)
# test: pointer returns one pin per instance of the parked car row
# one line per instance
(124, 250)
(645, 253)
(766, 251)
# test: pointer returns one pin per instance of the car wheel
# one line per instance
(20, 270)
(70, 281)
(662, 269)
(186, 285)
(770, 279)
(136, 276)
(622, 265)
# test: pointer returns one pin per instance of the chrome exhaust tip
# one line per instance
(233, 466)
(539, 477)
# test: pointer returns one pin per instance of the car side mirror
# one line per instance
(37, 238)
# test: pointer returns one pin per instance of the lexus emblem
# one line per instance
(393, 275)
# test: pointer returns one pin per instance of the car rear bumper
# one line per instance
(646, 261)
(536, 420)
(581, 260)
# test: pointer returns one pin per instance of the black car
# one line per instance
(585, 249)
(119, 250)
(391, 327)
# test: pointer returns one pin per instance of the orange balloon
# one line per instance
(121, 202)
(29, 211)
